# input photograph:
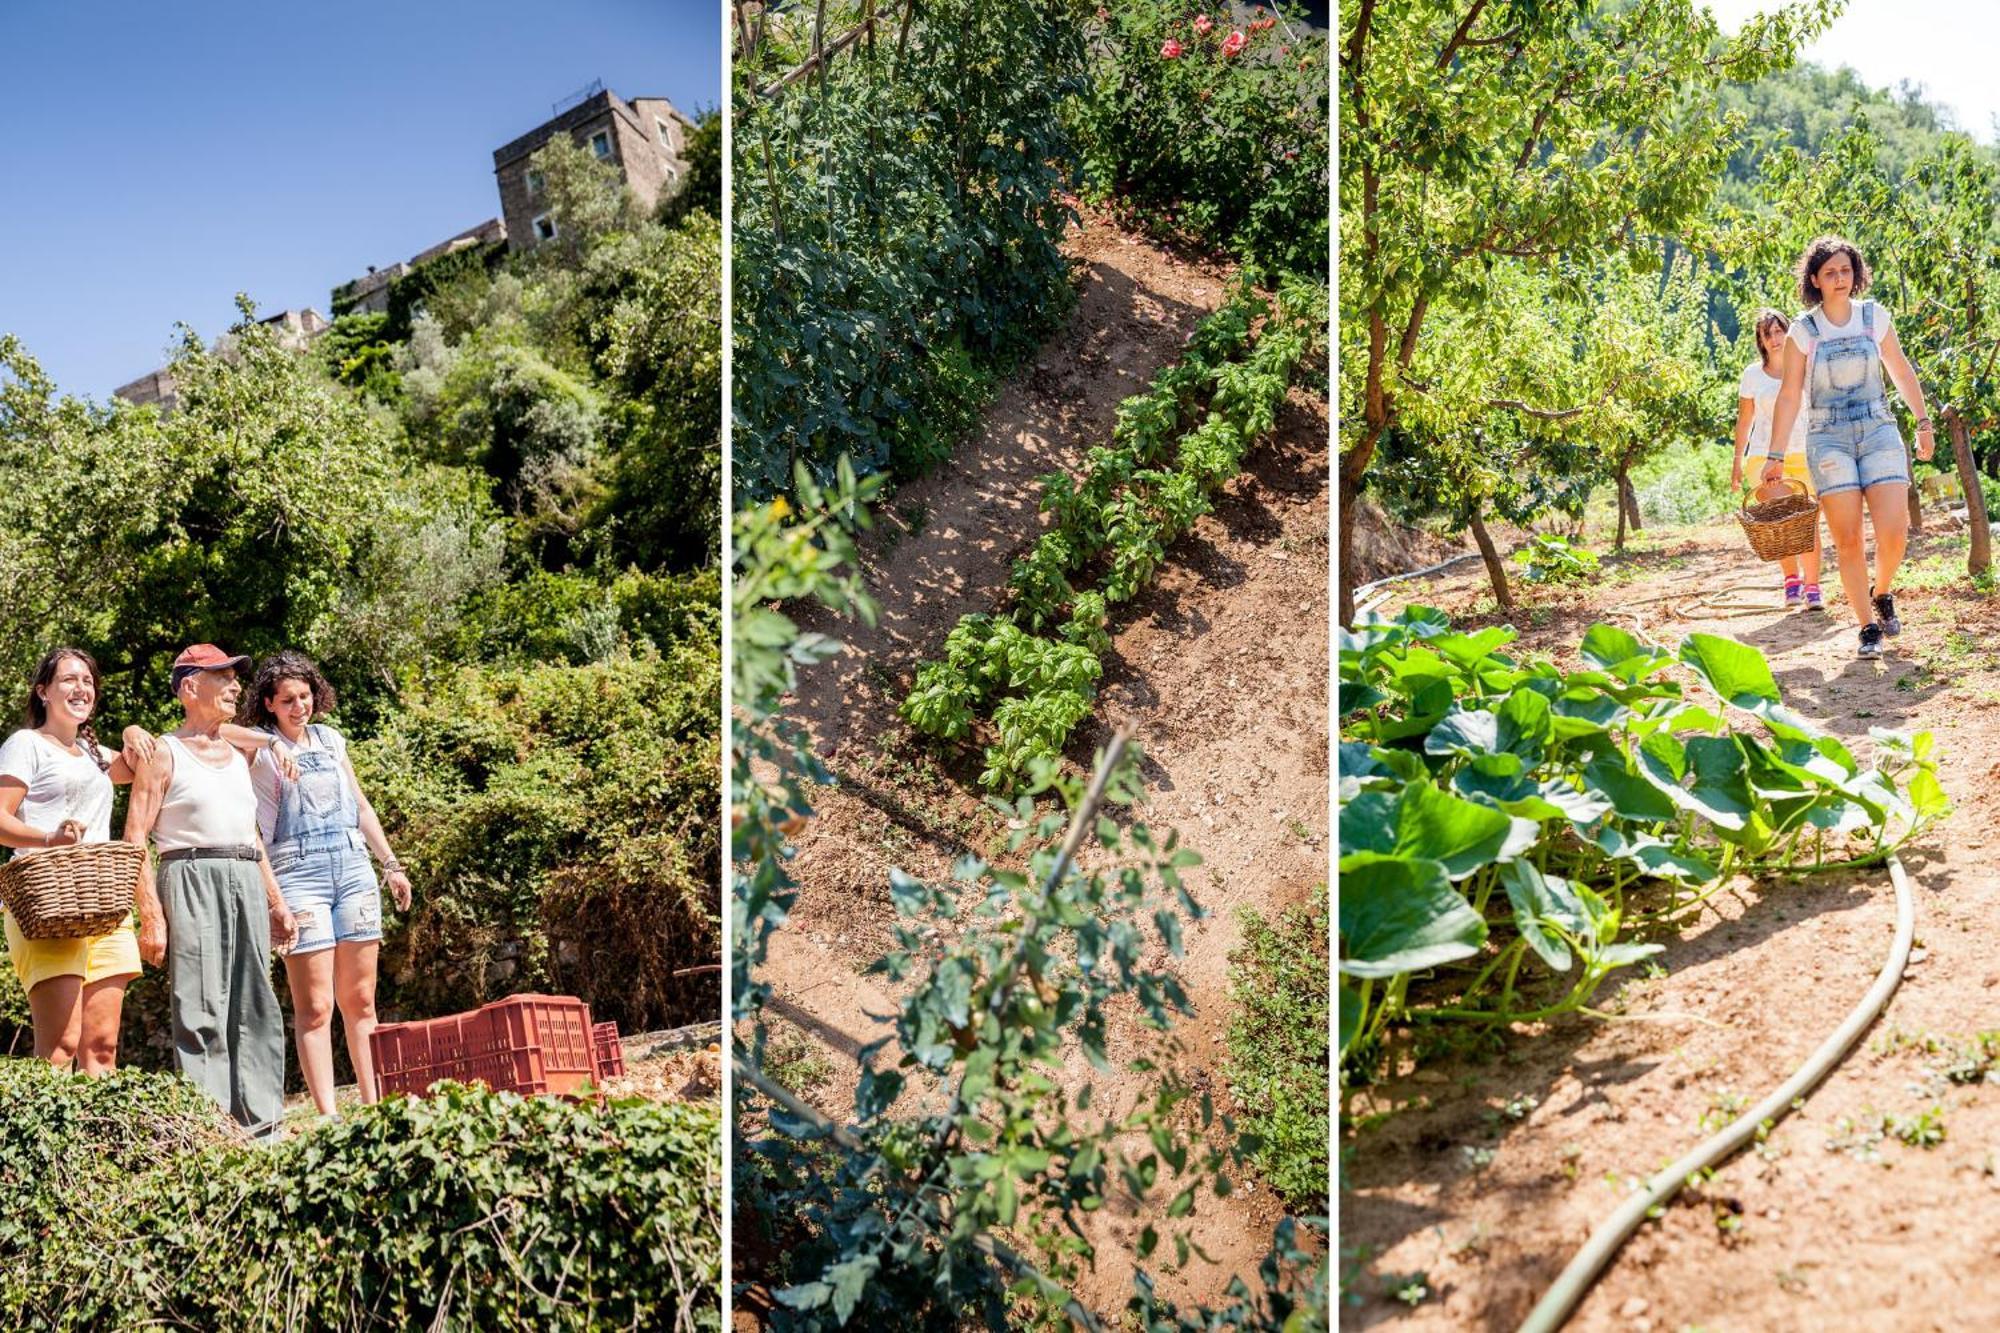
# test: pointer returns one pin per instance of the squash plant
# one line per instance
(1497, 814)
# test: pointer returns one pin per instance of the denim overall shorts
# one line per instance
(1851, 439)
(318, 855)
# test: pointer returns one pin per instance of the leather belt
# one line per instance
(213, 854)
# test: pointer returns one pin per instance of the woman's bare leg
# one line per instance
(354, 990)
(56, 1008)
(103, 1007)
(1843, 524)
(1889, 510)
(311, 978)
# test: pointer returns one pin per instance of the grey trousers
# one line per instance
(228, 1033)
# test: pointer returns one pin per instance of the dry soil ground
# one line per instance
(1495, 1165)
(1219, 670)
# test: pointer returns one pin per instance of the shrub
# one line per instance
(1278, 1048)
(1216, 132)
(467, 1209)
(896, 232)
(562, 826)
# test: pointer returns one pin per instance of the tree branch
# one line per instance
(1458, 38)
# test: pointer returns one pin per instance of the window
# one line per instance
(535, 183)
(666, 134)
(545, 227)
(673, 175)
(600, 144)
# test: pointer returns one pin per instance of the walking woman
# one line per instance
(1757, 397)
(320, 830)
(1835, 354)
(55, 790)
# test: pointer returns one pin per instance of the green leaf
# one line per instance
(1632, 797)
(1463, 835)
(1736, 671)
(1542, 902)
(1619, 652)
(1399, 914)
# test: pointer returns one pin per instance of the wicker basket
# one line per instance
(1784, 526)
(65, 893)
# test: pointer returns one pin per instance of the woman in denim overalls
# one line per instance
(320, 829)
(1841, 347)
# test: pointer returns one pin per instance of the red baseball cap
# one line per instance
(203, 657)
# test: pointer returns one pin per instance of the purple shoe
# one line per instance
(1794, 589)
(1813, 602)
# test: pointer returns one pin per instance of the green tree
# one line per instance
(701, 184)
(1532, 130)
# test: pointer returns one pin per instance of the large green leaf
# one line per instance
(1737, 672)
(1466, 650)
(1541, 903)
(1400, 914)
(1368, 822)
(1631, 797)
(1462, 835)
(1620, 653)
(1655, 857)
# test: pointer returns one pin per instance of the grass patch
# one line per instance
(794, 1061)
(1278, 1063)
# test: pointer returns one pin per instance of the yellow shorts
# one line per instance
(94, 957)
(1796, 470)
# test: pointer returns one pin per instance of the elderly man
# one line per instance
(223, 913)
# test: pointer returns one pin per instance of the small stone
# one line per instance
(1633, 1308)
(1773, 1214)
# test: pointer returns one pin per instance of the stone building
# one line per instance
(645, 139)
(369, 293)
(295, 329)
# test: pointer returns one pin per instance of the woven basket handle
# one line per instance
(1773, 490)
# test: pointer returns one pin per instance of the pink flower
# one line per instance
(1102, 13)
(1233, 43)
(1203, 23)
(1170, 50)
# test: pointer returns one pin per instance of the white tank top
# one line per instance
(206, 806)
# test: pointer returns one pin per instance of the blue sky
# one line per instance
(1947, 46)
(158, 159)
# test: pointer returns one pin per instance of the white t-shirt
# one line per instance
(266, 780)
(1761, 387)
(60, 785)
(1802, 337)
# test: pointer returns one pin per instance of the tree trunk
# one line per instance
(1618, 491)
(1494, 569)
(1628, 496)
(1916, 501)
(1980, 559)
(1350, 509)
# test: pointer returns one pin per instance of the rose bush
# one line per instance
(1209, 134)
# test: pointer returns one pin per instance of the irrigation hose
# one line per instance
(1560, 1302)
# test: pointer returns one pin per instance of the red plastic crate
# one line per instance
(410, 1057)
(610, 1051)
(534, 1043)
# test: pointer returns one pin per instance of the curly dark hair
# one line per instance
(1816, 255)
(45, 675)
(254, 709)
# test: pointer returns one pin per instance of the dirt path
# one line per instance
(1219, 669)
(1499, 1163)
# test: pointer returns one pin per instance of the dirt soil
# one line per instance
(1219, 670)
(1492, 1166)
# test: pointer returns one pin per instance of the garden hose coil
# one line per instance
(1556, 1306)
